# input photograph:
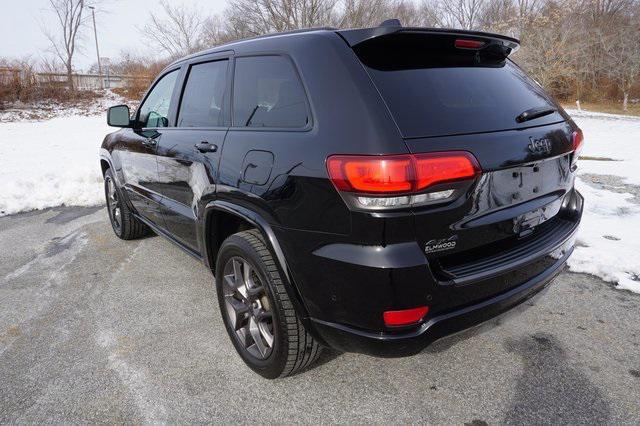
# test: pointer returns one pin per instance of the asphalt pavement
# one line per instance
(95, 329)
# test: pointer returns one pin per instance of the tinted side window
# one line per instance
(203, 97)
(268, 93)
(155, 109)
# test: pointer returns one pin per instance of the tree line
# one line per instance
(577, 49)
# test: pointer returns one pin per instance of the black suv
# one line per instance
(369, 190)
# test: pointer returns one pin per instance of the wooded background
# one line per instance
(587, 50)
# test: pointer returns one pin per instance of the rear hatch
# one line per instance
(458, 91)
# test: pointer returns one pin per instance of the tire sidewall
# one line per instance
(108, 176)
(272, 366)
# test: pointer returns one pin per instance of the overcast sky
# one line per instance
(21, 33)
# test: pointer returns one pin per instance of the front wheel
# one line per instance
(257, 311)
(125, 225)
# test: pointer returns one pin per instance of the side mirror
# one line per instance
(118, 116)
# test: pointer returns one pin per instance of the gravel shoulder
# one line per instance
(94, 329)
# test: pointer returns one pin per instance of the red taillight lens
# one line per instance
(468, 44)
(578, 138)
(371, 174)
(399, 173)
(444, 167)
(405, 316)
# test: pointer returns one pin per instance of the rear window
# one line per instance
(433, 89)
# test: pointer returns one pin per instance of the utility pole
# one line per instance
(95, 34)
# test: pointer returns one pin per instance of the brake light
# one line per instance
(405, 316)
(399, 174)
(462, 43)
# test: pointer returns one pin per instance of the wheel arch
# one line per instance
(215, 215)
(104, 165)
(106, 162)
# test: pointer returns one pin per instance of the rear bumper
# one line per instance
(384, 344)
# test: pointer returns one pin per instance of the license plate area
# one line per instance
(529, 182)
(525, 224)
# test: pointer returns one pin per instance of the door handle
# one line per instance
(150, 142)
(205, 146)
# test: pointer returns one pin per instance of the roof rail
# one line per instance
(229, 45)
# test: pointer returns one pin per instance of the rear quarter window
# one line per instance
(267, 93)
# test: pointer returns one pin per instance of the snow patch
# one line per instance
(610, 136)
(609, 235)
(608, 242)
(51, 163)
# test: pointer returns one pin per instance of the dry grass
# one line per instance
(606, 106)
(133, 92)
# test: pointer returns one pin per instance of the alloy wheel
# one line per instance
(248, 307)
(114, 205)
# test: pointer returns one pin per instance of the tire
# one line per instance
(254, 307)
(125, 225)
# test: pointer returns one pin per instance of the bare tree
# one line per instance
(511, 17)
(572, 47)
(215, 32)
(64, 41)
(623, 49)
(407, 12)
(363, 13)
(431, 14)
(463, 14)
(178, 32)
(256, 17)
(370, 13)
(498, 16)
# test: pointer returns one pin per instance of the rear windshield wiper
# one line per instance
(534, 113)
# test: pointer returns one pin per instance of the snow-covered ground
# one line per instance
(609, 179)
(50, 163)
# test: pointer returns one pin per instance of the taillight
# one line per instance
(396, 181)
(370, 175)
(577, 139)
(462, 43)
(442, 167)
(405, 316)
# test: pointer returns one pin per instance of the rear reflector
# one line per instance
(404, 317)
(468, 44)
(400, 174)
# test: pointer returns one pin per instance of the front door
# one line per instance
(138, 149)
(188, 154)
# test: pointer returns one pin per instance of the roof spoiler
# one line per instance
(393, 26)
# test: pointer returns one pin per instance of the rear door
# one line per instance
(271, 120)
(188, 154)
